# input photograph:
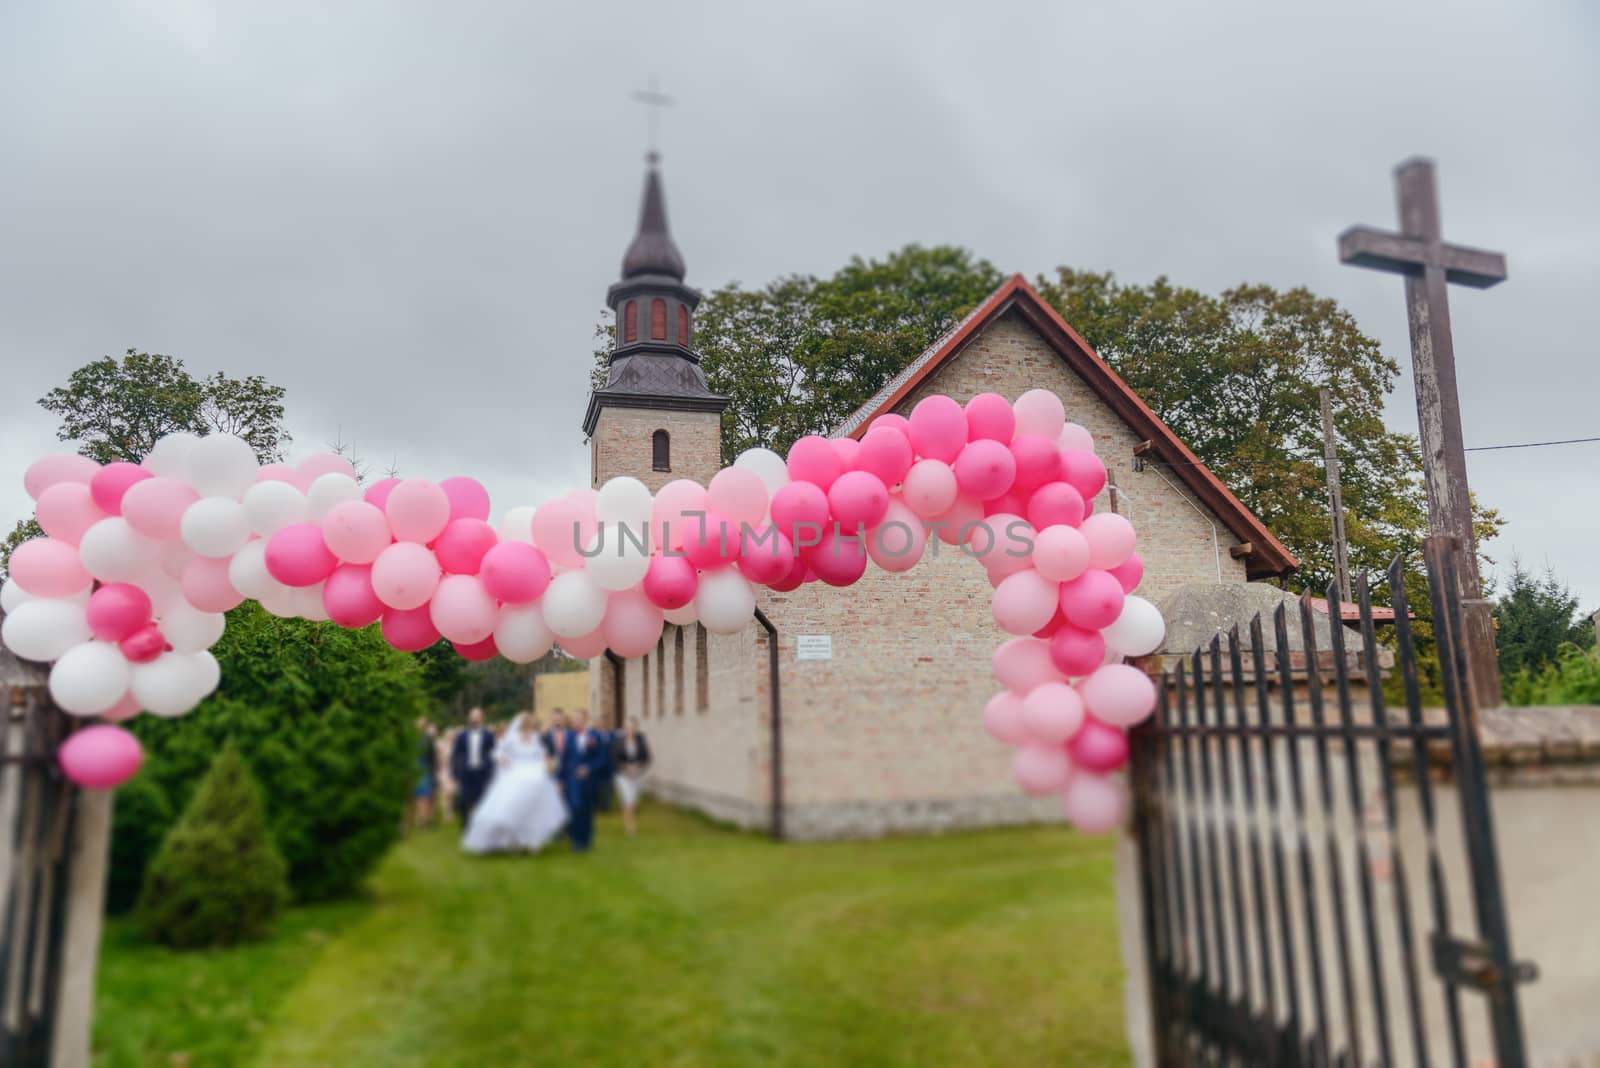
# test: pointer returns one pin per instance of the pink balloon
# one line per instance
(1002, 718)
(668, 523)
(1129, 573)
(101, 757)
(155, 506)
(891, 419)
(671, 581)
(898, 542)
(812, 459)
(1039, 411)
(739, 494)
(314, 467)
(796, 577)
(1075, 651)
(1024, 602)
(587, 646)
(405, 575)
(61, 467)
(476, 652)
(1110, 539)
(766, 556)
(849, 452)
(1052, 712)
(67, 509)
(356, 531)
(938, 428)
(800, 512)
(1098, 747)
(1012, 502)
(562, 531)
(885, 452)
(1060, 552)
(409, 629)
(144, 644)
(1084, 471)
(1057, 621)
(1092, 600)
(111, 482)
(985, 470)
(1041, 769)
(297, 556)
(46, 567)
(1038, 461)
(462, 546)
(712, 542)
(858, 499)
(632, 624)
(349, 599)
(123, 710)
(1003, 543)
(1119, 694)
(839, 559)
(462, 609)
(990, 418)
(417, 510)
(515, 572)
(116, 610)
(930, 488)
(1023, 663)
(1093, 803)
(468, 499)
(206, 585)
(275, 473)
(377, 494)
(1055, 504)
(957, 524)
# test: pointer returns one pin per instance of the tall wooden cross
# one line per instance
(1419, 253)
(655, 100)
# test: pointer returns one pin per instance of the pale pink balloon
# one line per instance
(1039, 411)
(840, 558)
(297, 556)
(1073, 436)
(67, 509)
(858, 499)
(1041, 769)
(155, 506)
(1003, 542)
(671, 581)
(101, 757)
(476, 652)
(515, 572)
(1093, 803)
(1119, 694)
(989, 417)
(668, 520)
(60, 467)
(985, 470)
(766, 556)
(849, 452)
(938, 428)
(462, 546)
(1092, 600)
(409, 629)
(116, 610)
(349, 599)
(206, 585)
(377, 494)
(739, 494)
(1060, 552)
(405, 575)
(558, 530)
(1002, 718)
(1037, 459)
(1055, 504)
(315, 466)
(897, 543)
(1052, 713)
(587, 646)
(1023, 663)
(356, 531)
(468, 499)
(632, 624)
(111, 482)
(123, 710)
(1129, 573)
(813, 459)
(462, 609)
(417, 510)
(800, 512)
(885, 452)
(275, 473)
(930, 488)
(1098, 747)
(46, 567)
(956, 524)
(1075, 651)
(1024, 602)
(1084, 471)
(712, 542)
(1110, 539)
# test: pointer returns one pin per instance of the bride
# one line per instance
(523, 809)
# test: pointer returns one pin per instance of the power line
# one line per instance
(1315, 459)
(1532, 444)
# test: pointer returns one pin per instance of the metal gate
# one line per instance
(1305, 886)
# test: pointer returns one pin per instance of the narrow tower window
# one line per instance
(630, 322)
(683, 325)
(658, 320)
(660, 451)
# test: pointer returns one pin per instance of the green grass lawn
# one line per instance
(689, 945)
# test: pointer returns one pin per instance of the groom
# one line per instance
(472, 764)
(584, 758)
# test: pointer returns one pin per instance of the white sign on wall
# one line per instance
(814, 647)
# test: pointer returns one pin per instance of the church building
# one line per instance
(859, 711)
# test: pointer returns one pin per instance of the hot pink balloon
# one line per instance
(1129, 573)
(985, 469)
(377, 494)
(111, 482)
(155, 506)
(46, 567)
(839, 559)
(800, 511)
(462, 610)
(462, 546)
(1093, 803)
(766, 556)
(1024, 602)
(515, 572)
(405, 575)
(892, 419)
(1055, 504)
(739, 494)
(297, 556)
(417, 510)
(930, 488)
(349, 599)
(794, 579)
(1119, 694)
(812, 459)
(468, 499)
(144, 644)
(885, 452)
(101, 757)
(476, 652)
(1052, 712)
(67, 509)
(1075, 651)
(1023, 663)
(858, 499)
(938, 428)
(1002, 718)
(712, 542)
(409, 629)
(116, 610)
(1110, 539)
(1038, 461)
(632, 624)
(1092, 600)
(1041, 769)
(671, 581)
(849, 452)
(587, 646)
(1098, 747)
(356, 531)
(1084, 471)
(61, 467)
(206, 585)
(990, 418)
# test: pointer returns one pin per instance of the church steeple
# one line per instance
(653, 251)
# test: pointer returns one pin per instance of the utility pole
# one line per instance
(1330, 461)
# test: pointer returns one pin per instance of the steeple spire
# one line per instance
(653, 251)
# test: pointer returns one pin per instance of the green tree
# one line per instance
(217, 878)
(1534, 618)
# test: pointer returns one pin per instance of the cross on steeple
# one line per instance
(655, 100)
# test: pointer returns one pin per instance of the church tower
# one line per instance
(655, 418)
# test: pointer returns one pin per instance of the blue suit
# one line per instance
(592, 757)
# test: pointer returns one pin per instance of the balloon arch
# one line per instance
(127, 589)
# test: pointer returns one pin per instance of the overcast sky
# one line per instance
(407, 214)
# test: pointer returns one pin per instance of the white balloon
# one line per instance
(170, 456)
(12, 595)
(621, 555)
(329, 490)
(518, 524)
(768, 465)
(44, 628)
(280, 600)
(164, 590)
(681, 617)
(308, 603)
(271, 506)
(522, 635)
(247, 571)
(725, 601)
(573, 605)
(623, 500)
(90, 678)
(214, 526)
(173, 683)
(1138, 631)
(222, 465)
(112, 551)
(189, 630)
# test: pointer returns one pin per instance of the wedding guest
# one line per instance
(472, 764)
(584, 755)
(630, 754)
(556, 735)
(420, 813)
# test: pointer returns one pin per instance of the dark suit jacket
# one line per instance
(459, 754)
(619, 756)
(596, 757)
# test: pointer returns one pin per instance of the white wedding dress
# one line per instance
(523, 809)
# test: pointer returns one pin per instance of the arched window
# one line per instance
(658, 320)
(683, 325)
(630, 321)
(660, 451)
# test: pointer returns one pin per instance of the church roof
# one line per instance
(653, 251)
(1266, 556)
